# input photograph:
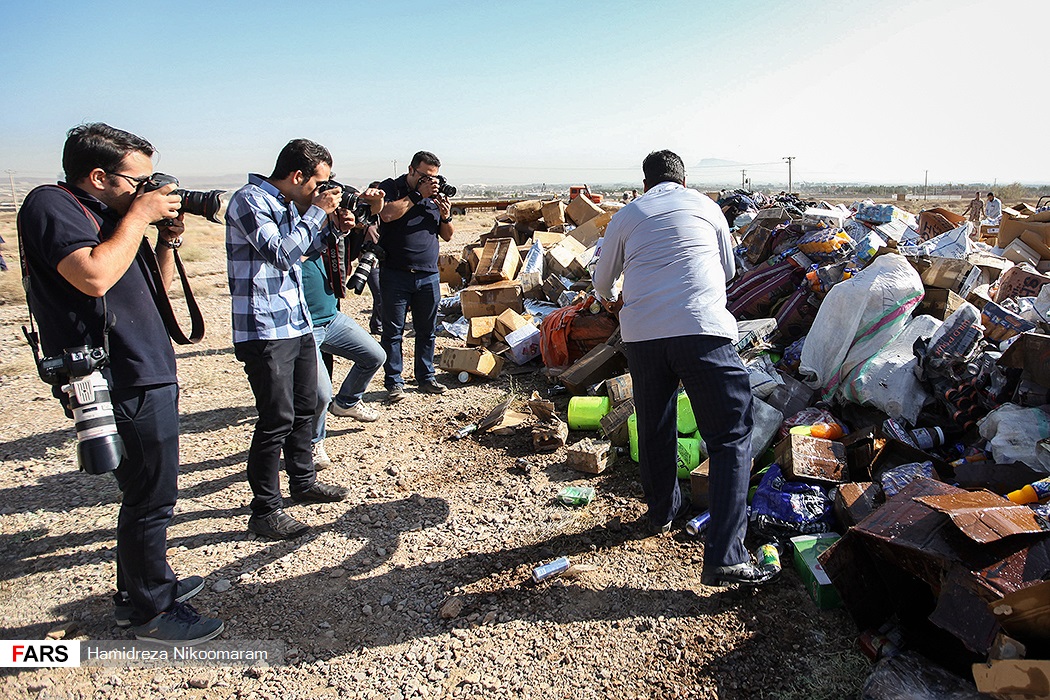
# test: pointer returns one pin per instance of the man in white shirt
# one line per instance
(993, 210)
(674, 250)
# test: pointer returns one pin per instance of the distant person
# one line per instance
(271, 223)
(634, 195)
(993, 210)
(675, 252)
(975, 210)
(414, 217)
(85, 250)
(335, 333)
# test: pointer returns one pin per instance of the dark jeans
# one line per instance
(148, 423)
(283, 377)
(375, 321)
(401, 291)
(720, 393)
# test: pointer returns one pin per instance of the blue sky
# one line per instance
(541, 91)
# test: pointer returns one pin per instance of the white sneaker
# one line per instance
(321, 458)
(360, 411)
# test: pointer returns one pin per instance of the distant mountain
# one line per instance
(718, 163)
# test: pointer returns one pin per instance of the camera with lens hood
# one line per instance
(352, 201)
(443, 186)
(208, 204)
(76, 372)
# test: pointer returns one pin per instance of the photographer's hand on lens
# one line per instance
(375, 198)
(156, 205)
(344, 220)
(444, 206)
(329, 199)
(428, 187)
(172, 229)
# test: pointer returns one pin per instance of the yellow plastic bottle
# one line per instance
(1033, 493)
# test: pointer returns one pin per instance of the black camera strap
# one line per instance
(163, 302)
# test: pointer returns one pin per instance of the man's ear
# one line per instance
(96, 179)
(297, 177)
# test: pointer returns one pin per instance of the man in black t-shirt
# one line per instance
(82, 241)
(414, 216)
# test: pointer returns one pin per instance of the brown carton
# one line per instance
(491, 299)
(508, 322)
(939, 303)
(589, 232)
(481, 328)
(614, 423)
(554, 212)
(476, 361)
(548, 239)
(562, 258)
(448, 268)
(620, 389)
(581, 210)
(1012, 227)
(600, 363)
(500, 260)
(806, 458)
(590, 455)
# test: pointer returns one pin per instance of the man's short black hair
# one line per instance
(425, 157)
(663, 166)
(302, 155)
(991, 194)
(98, 145)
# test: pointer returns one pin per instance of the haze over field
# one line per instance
(540, 91)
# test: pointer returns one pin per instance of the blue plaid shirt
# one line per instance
(265, 240)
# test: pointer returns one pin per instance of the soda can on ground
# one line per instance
(698, 524)
(546, 571)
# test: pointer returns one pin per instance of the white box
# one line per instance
(524, 344)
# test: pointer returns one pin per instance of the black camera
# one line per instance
(207, 204)
(371, 255)
(76, 372)
(351, 201)
(443, 186)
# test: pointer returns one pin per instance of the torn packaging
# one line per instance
(907, 540)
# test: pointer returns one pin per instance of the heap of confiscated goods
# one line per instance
(900, 378)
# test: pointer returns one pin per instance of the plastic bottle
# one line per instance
(927, 438)
(828, 431)
(698, 524)
(632, 435)
(586, 412)
(686, 418)
(1033, 493)
(688, 456)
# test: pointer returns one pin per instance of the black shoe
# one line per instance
(430, 386)
(320, 493)
(181, 625)
(278, 525)
(663, 529)
(395, 393)
(185, 588)
(745, 574)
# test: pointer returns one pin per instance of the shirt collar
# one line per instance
(90, 201)
(665, 186)
(266, 186)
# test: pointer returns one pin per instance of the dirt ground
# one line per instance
(356, 602)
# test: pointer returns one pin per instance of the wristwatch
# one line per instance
(446, 220)
(173, 244)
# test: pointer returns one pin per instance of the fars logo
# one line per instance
(38, 653)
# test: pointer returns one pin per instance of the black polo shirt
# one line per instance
(53, 225)
(411, 242)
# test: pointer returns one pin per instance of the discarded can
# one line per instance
(576, 495)
(464, 431)
(698, 524)
(464, 377)
(767, 558)
(546, 571)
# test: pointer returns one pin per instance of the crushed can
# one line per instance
(767, 558)
(576, 495)
(546, 571)
(698, 524)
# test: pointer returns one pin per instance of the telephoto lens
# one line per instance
(99, 447)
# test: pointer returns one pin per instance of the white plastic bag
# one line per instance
(857, 318)
(887, 379)
(950, 244)
(1013, 434)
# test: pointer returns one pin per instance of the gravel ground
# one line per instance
(358, 601)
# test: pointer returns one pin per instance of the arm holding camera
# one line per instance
(426, 187)
(94, 270)
(445, 228)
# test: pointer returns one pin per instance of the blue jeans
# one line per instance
(401, 291)
(720, 393)
(344, 338)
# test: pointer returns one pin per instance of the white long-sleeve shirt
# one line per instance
(673, 247)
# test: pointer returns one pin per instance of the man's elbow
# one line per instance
(386, 216)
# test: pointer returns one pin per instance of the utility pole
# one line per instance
(789, 159)
(395, 167)
(743, 178)
(926, 187)
(14, 196)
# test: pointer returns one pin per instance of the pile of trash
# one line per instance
(900, 369)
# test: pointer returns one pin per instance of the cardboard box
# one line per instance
(943, 273)
(548, 239)
(502, 230)
(620, 389)
(448, 268)
(1012, 226)
(936, 221)
(1020, 252)
(1013, 679)
(806, 550)
(939, 303)
(790, 397)
(1034, 241)
(481, 328)
(500, 260)
(553, 212)
(508, 322)
(807, 458)
(590, 455)
(600, 363)
(476, 361)
(553, 287)
(561, 258)
(855, 501)
(491, 299)
(472, 254)
(614, 423)
(524, 344)
(581, 210)
(531, 285)
(589, 232)
(699, 484)
(1018, 282)
(1030, 352)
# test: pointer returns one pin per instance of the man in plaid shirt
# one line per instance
(271, 223)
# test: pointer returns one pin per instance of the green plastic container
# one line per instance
(686, 419)
(586, 412)
(632, 435)
(688, 456)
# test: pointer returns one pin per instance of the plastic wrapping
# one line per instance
(1013, 434)
(782, 507)
(908, 676)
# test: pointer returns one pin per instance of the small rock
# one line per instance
(366, 609)
(460, 633)
(222, 585)
(116, 681)
(489, 618)
(451, 609)
(200, 682)
(62, 631)
(392, 470)
(386, 600)
(337, 573)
